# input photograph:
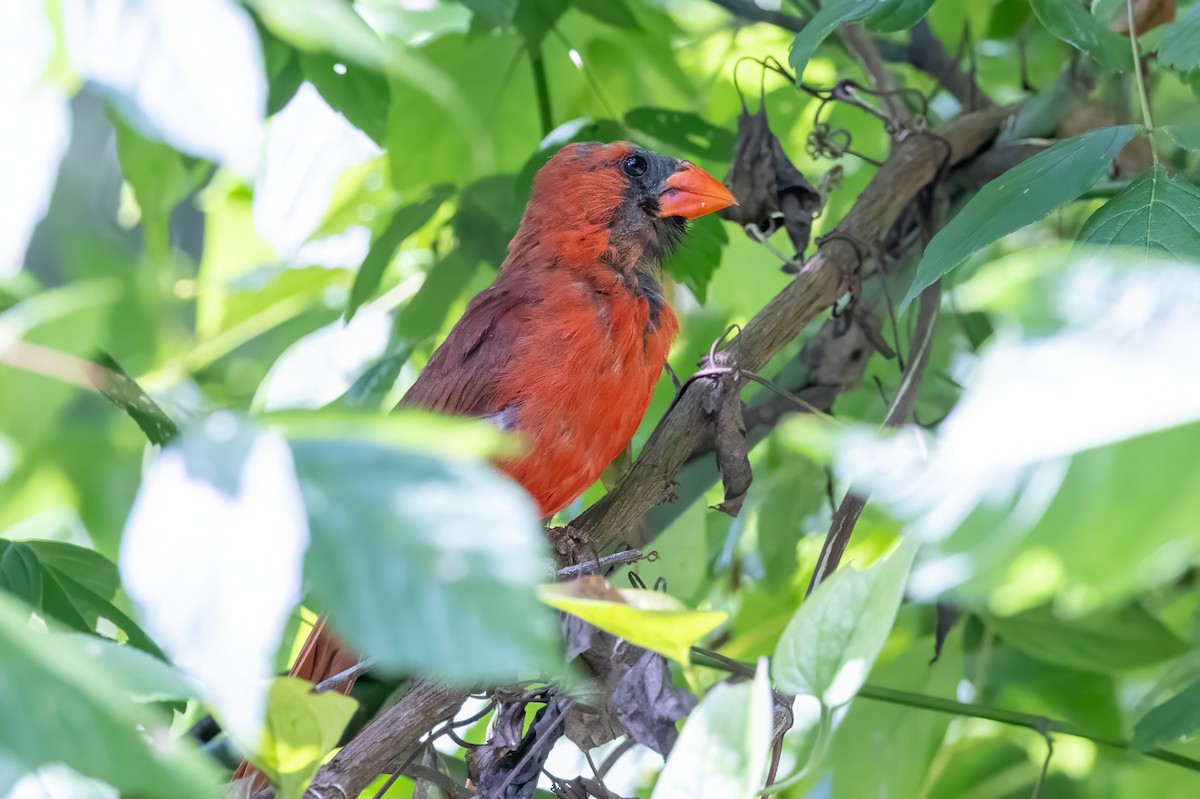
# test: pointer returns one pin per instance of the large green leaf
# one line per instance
(648, 619)
(1115, 640)
(722, 750)
(407, 220)
(833, 639)
(1180, 45)
(211, 557)
(424, 562)
(72, 712)
(684, 132)
(1021, 196)
(828, 19)
(1030, 471)
(1071, 22)
(301, 727)
(159, 180)
(1156, 212)
(360, 94)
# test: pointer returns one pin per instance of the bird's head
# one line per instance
(618, 203)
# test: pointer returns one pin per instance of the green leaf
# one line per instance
(221, 488)
(123, 391)
(898, 15)
(301, 727)
(70, 584)
(406, 221)
(494, 13)
(695, 260)
(613, 12)
(649, 619)
(358, 93)
(159, 179)
(72, 712)
(1184, 136)
(1019, 197)
(535, 18)
(329, 26)
(685, 132)
(1156, 212)
(1173, 719)
(833, 639)
(1110, 640)
(913, 737)
(828, 19)
(127, 47)
(425, 562)
(1180, 45)
(1029, 472)
(1071, 22)
(722, 750)
(143, 677)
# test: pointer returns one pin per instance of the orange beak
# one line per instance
(692, 192)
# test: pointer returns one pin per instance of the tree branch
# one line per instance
(914, 162)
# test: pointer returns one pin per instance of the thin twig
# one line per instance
(616, 559)
(842, 526)
(542, 87)
(342, 677)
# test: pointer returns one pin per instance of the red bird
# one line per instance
(566, 345)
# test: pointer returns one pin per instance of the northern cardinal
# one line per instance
(566, 345)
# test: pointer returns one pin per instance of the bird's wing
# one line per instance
(463, 375)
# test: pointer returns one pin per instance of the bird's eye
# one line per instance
(634, 166)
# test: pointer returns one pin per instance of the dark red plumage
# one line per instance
(566, 345)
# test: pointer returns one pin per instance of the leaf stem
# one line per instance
(1143, 97)
(542, 87)
(1039, 724)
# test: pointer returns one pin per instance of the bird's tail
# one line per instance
(322, 656)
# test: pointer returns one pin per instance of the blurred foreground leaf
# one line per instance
(71, 712)
(300, 729)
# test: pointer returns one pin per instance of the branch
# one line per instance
(389, 735)
(914, 162)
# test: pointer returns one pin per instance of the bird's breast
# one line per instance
(581, 379)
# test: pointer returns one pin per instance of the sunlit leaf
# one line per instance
(1072, 23)
(309, 146)
(34, 126)
(833, 639)
(722, 751)
(211, 557)
(1156, 212)
(1029, 471)
(1021, 196)
(300, 728)
(155, 57)
(614, 12)
(649, 619)
(320, 367)
(686, 133)
(57, 693)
